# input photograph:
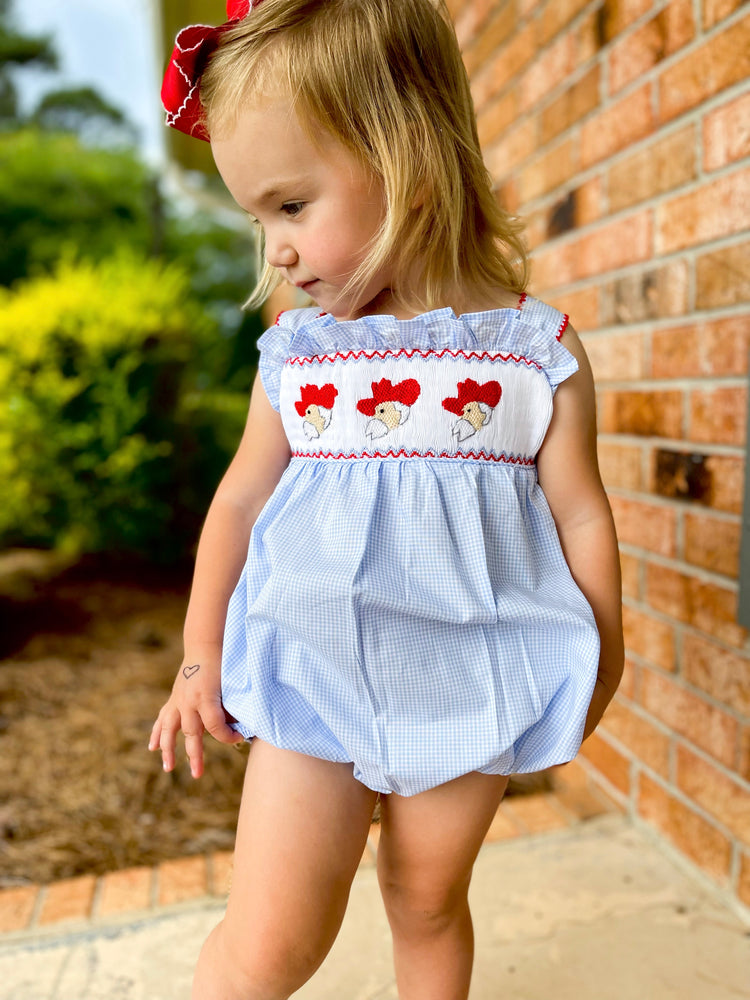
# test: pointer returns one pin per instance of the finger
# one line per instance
(193, 730)
(153, 740)
(167, 740)
(214, 721)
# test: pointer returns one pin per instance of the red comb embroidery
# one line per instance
(194, 46)
(316, 395)
(472, 392)
(384, 391)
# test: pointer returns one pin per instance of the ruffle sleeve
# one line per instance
(274, 347)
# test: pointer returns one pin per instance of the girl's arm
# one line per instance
(195, 702)
(569, 476)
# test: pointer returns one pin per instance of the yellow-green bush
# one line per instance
(94, 362)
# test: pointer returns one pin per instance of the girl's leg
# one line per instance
(428, 845)
(302, 829)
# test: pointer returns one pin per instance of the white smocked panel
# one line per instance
(431, 404)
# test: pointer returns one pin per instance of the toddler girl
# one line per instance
(407, 585)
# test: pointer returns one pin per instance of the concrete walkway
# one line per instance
(594, 911)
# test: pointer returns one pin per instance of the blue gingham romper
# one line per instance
(405, 605)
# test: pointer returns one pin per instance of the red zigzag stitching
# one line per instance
(355, 355)
(402, 453)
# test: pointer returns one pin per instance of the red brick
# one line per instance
(631, 576)
(588, 41)
(716, 209)
(653, 41)
(649, 638)
(571, 105)
(689, 832)
(547, 71)
(469, 18)
(478, 46)
(689, 715)
(125, 890)
(743, 768)
(713, 544)
(616, 357)
(536, 813)
(718, 416)
(727, 482)
(558, 15)
(641, 737)
(662, 166)
(716, 10)
(183, 879)
(725, 799)
(618, 126)
(552, 267)
(613, 765)
(493, 72)
(16, 907)
(506, 154)
(721, 61)
(657, 413)
(548, 171)
(620, 465)
(70, 899)
(497, 117)
(702, 349)
(645, 525)
(582, 307)
(743, 884)
(616, 15)
(707, 606)
(726, 133)
(722, 277)
(653, 293)
(614, 245)
(722, 673)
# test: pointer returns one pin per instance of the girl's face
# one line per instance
(318, 206)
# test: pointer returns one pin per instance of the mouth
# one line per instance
(306, 286)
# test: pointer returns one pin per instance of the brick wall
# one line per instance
(621, 130)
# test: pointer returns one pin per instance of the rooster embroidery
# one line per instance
(389, 406)
(316, 406)
(474, 404)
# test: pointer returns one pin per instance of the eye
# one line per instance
(292, 208)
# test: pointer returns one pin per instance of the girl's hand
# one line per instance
(194, 706)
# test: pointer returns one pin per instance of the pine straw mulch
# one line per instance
(87, 658)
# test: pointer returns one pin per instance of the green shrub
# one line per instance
(105, 443)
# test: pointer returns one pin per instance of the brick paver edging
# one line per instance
(146, 889)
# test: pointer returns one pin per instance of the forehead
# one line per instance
(268, 152)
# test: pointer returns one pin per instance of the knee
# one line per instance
(423, 910)
(254, 967)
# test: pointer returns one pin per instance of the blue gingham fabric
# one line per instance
(408, 609)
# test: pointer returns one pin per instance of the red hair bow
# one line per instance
(384, 391)
(472, 392)
(194, 45)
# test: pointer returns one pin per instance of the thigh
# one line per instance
(429, 842)
(301, 832)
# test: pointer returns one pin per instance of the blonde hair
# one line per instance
(385, 78)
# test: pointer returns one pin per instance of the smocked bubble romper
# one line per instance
(405, 605)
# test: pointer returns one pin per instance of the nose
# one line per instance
(279, 251)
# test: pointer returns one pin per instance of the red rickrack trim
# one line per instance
(563, 326)
(409, 353)
(479, 456)
(522, 301)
